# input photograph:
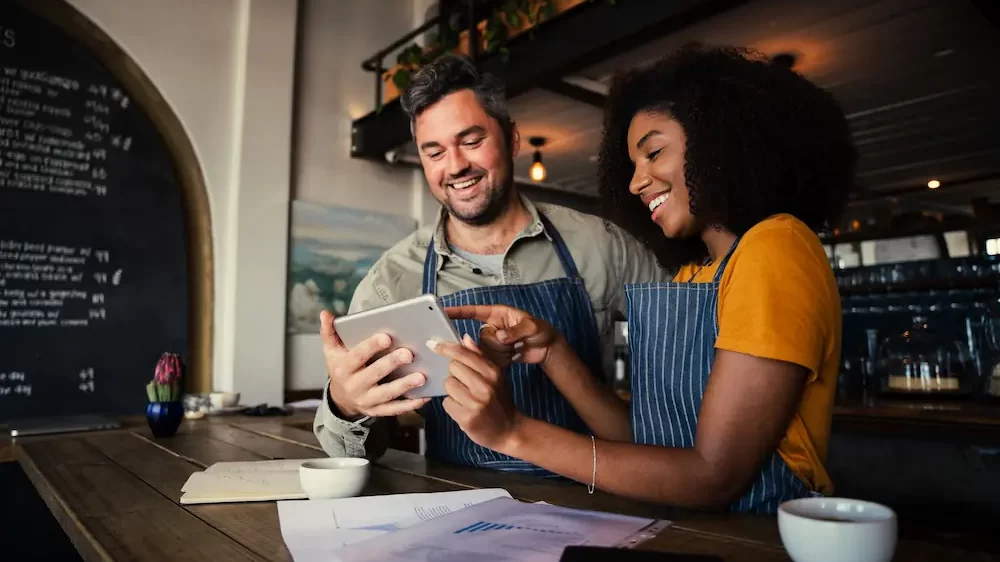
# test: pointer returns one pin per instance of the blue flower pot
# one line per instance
(164, 417)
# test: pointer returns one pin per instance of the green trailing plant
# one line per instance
(507, 15)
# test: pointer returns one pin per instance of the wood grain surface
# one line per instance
(116, 493)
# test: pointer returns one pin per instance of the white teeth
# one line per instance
(465, 184)
(658, 201)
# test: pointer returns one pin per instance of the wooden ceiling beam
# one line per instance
(576, 93)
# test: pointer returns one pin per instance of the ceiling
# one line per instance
(918, 80)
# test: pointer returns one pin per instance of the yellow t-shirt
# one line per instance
(778, 299)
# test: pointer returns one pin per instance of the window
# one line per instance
(958, 244)
(993, 247)
(911, 248)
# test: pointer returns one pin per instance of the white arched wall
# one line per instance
(226, 67)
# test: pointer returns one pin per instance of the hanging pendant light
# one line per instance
(537, 171)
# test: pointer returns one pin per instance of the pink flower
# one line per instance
(168, 369)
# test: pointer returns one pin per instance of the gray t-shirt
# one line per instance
(491, 264)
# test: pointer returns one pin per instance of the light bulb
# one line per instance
(933, 184)
(537, 171)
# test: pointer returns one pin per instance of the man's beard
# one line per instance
(496, 204)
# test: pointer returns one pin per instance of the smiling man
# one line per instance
(490, 245)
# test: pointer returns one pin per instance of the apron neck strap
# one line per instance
(565, 258)
(725, 261)
(429, 283)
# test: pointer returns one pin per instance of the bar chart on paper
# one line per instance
(484, 526)
(499, 530)
(315, 530)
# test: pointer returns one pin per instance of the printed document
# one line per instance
(314, 530)
(502, 530)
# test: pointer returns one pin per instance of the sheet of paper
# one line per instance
(498, 530)
(314, 530)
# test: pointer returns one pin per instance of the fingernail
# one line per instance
(519, 345)
(384, 339)
(431, 345)
(515, 357)
(501, 335)
(468, 339)
(404, 354)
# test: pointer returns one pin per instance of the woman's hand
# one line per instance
(478, 397)
(509, 334)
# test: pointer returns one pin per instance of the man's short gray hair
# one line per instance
(451, 73)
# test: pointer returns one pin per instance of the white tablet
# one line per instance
(410, 324)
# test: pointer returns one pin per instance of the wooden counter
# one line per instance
(956, 420)
(116, 494)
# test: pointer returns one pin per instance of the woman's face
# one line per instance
(656, 146)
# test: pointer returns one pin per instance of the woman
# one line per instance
(726, 164)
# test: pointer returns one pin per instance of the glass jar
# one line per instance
(991, 352)
(920, 361)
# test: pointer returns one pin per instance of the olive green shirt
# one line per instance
(607, 258)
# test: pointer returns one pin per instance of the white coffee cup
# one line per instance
(222, 400)
(824, 529)
(341, 477)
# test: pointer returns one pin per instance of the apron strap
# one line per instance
(429, 285)
(569, 266)
(725, 261)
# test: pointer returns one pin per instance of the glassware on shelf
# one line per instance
(920, 361)
(991, 352)
(621, 385)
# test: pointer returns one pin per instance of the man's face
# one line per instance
(468, 164)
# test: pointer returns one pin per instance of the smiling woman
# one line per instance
(754, 139)
(726, 163)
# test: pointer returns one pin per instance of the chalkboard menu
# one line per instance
(93, 267)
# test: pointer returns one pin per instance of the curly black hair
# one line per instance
(761, 140)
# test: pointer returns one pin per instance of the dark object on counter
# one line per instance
(28, 530)
(602, 553)
(23, 427)
(265, 410)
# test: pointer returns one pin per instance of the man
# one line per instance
(489, 246)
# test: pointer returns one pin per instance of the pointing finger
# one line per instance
(480, 312)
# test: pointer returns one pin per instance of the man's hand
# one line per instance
(509, 334)
(478, 398)
(354, 383)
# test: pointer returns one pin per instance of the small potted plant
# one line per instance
(165, 409)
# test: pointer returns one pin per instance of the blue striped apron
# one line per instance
(565, 304)
(672, 329)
